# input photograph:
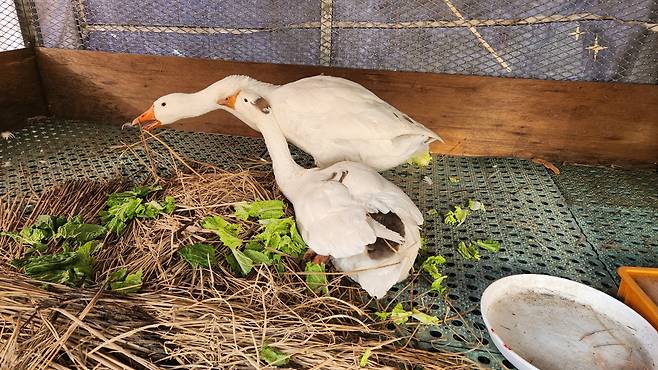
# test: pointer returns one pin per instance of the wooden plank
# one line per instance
(21, 95)
(573, 121)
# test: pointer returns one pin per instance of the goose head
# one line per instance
(251, 107)
(171, 108)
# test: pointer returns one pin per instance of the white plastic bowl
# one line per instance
(549, 323)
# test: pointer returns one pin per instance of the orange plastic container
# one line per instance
(639, 289)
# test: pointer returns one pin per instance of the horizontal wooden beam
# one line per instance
(21, 95)
(556, 120)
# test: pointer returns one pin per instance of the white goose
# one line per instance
(347, 211)
(330, 118)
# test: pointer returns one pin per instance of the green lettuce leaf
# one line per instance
(383, 315)
(273, 356)
(169, 205)
(423, 244)
(122, 282)
(431, 265)
(80, 232)
(490, 245)
(281, 235)
(468, 251)
(437, 284)
(316, 279)
(399, 315)
(261, 209)
(421, 160)
(120, 213)
(363, 361)
(453, 179)
(72, 268)
(456, 217)
(227, 232)
(244, 263)
(476, 205)
(199, 255)
(257, 257)
(424, 318)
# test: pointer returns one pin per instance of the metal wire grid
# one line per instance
(564, 40)
(543, 228)
(11, 37)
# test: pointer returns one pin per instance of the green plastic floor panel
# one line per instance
(617, 211)
(48, 151)
(580, 225)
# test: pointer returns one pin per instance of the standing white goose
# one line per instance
(330, 118)
(347, 211)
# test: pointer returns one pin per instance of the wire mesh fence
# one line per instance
(594, 40)
(11, 37)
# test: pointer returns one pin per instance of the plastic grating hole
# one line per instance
(484, 360)
(456, 323)
(436, 334)
(508, 365)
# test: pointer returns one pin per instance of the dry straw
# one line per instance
(183, 317)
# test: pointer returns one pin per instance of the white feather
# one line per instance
(332, 207)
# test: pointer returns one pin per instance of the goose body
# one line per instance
(348, 211)
(330, 118)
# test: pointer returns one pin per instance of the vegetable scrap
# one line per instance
(123, 282)
(468, 251)
(71, 268)
(432, 212)
(431, 266)
(316, 278)
(456, 217)
(400, 316)
(459, 215)
(261, 209)
(421, 160)
(476, 205)
(227, 232)
(78, 241)
(125, 206)
(273, 356)
(276, 237)
(363, 361)
(199, 255)
(423, 244)
(454, 180)
(490, 245)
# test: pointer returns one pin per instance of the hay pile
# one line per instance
(183, 317)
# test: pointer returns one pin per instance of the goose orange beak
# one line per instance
(229, 101)
(147, 120)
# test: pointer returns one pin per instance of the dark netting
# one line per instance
(11, 37)
(564, 40)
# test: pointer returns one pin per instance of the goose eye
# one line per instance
(246, 100)
(163, 104)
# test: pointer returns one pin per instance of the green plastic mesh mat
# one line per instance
(617, 211)
(580, 225)
(48, 151)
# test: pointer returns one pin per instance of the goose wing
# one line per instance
(342, 109)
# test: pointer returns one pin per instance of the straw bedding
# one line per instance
(184, 317)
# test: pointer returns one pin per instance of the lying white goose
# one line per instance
(330, 118)
(347, 211)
